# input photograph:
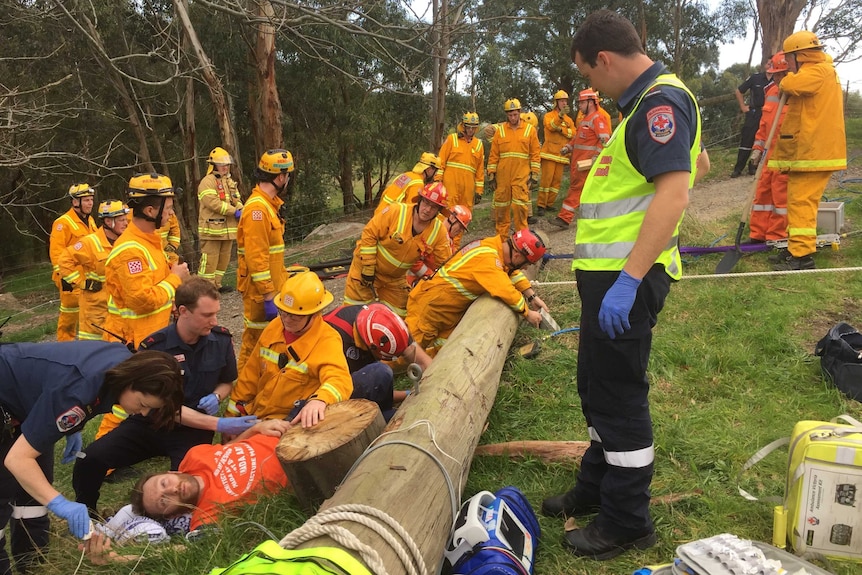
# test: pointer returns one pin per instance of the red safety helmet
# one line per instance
(462, 214)
(528, 243)
(436, 193)
(382, 331)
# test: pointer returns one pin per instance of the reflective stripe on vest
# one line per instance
(614, 202)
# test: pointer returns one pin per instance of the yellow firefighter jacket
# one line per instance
(218, 200)
(260, 246)
(66, 230)
(83, 266)
(402, 189)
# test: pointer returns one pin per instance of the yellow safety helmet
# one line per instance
(511, 105)
(219, 157)
(427, 160)
(150, 185)
(303, 294)
(470, 119)
(561, 95)
(81, 191)
(276, 162)
(112, 209)
(802, 40)
(530, 118)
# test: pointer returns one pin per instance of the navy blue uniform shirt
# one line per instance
(54, 388)
(757, 83)
(205, 364)
(342, 319)
(653, 155)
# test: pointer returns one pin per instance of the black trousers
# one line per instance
(28, 536)
(746, 139)
(617, 469)
(133, 441)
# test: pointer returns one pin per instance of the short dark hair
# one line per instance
(154, 373)
(139, 204)
(192, 290)
(606, 31)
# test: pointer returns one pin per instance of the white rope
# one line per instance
(722, 276)
(373, 519)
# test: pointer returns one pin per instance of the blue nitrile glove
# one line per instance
(74, 444)
(237, 213)
(269, 309)
(235, 425)
(209, 404)
(617, 304)
(74, 513)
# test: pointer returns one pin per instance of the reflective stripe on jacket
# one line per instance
(558, 132)
(260, 246)
(65, 231)
(401, 190)
(218, 200)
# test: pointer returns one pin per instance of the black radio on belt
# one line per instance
(93, 285)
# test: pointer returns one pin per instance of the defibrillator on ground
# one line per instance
(494, 534)
(820, 511)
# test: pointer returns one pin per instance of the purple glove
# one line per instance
(209, 404)
(237, 213)
(269, 309)
(235, 425)
(617, 304)
(74, 513)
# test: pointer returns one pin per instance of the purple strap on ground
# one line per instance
(745, 248)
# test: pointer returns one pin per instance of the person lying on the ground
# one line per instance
(212, 478)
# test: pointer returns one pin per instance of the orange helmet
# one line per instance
(778, 63)
(436, 193)
(384, 333)
(588, 94)
(528, 243)
(462, 214)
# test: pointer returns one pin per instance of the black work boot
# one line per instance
(793, 263)
(780, 257)
(567, 505)
(592, 543)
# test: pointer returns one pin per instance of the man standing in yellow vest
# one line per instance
(65, 232)
(219, 210)
(559, 129)
(812, 142)
(626, 256)
(513, 169)
(82, 265)
(260, 248)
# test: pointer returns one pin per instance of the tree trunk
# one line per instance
(189, 214)
(269, 105)
(213, 82)
(316, 459)
(455, 396)
(777, 20)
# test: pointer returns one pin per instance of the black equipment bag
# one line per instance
(840, 354)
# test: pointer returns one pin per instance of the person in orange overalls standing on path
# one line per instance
(513, 169)
(260, 247)
(769, 210)
(219, 210)
(405, 187)
(391, 243)
(139, 281)
(559, 129)
(66, 231)
(587, 144)
(82, 266)
(812, 143)
(462, 161)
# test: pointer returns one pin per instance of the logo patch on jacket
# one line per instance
(662, 124)
(136, 266)
(70, 419)
(78, 246)
(257, 215)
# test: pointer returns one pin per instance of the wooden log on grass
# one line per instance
(316, 459)
(455, 396)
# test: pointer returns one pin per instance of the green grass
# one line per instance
(731, 370)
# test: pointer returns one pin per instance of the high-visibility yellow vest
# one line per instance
(615, 200)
